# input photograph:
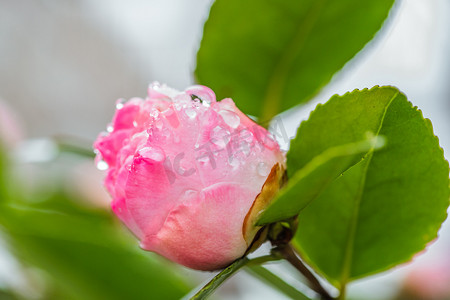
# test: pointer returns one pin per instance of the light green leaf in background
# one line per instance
(385, 208)
(84, 254)
(272, 55)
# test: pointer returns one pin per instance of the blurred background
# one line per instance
(63, 64)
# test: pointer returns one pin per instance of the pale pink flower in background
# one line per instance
(85, 181)
(11, 129)
(184, 172)
(429, 280)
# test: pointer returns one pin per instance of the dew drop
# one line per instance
(195, 99)
(269, 141)
(203, 159)
(189, 193)
(135, 124)
(110, 128)
(245, 148)
(234, 163)
(154, 113)
(152, 153)
(220, 136)
(159, 124)
(178, 106)
(120, 103)
(246, 136)
(155, 85)
(230, 118)
(263, 169)
(166, 133)
(190, 112)
(201, 94)
(102, 165)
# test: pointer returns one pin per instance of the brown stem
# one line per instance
(288, 253)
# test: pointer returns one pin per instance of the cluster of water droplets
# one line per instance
(189, 106)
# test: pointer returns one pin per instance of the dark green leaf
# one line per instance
(271, 55)
(385, 208)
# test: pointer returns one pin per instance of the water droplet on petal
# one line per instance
(263, 169)
(176, 138)
(190, 112)
(155, 85)
(230, 118)
(166, 133)
(135, 124)
(246, 136)
(152, 153)
(202, 94)
(110, 128)
(269, 141)
(172, 117)
(234, 163)
(120, 103)
(203, 159)
(102, 165)
(189, 193)
(140, 137)
(220, 136)
(178, 106)
(195, 99)
(245, 148)
(159, 124)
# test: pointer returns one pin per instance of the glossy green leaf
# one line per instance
(385, 208)
(271, 55)
(307, 183)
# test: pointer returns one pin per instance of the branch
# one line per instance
(288, 253)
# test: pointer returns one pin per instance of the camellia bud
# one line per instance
(189, 175)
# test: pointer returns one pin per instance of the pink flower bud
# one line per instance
(188, 175)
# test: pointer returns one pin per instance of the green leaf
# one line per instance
(4, 166)
(307, 183)
(385, 208)
(272, 55)
(71, 145)
(85, 255)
